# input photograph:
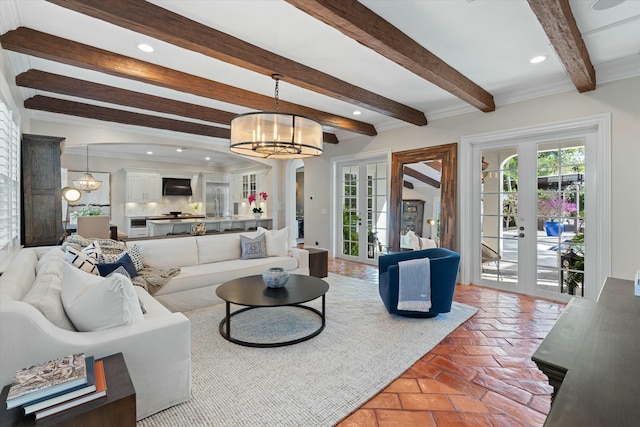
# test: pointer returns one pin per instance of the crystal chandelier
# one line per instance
(87, 182)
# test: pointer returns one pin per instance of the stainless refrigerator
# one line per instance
(217, 199)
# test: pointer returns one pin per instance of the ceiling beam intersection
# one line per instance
(39, 44)
(146, 18)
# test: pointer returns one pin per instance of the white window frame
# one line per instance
(9, 183)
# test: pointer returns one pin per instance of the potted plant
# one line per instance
(87, 210)
(573, 262)
(257, 209)
(553, 208)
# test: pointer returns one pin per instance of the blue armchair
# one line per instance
(444, 272)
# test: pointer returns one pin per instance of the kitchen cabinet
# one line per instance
(144, 187)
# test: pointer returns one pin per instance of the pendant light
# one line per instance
(275, 135)
(87, 183)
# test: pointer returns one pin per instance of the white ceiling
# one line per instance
(489, 41)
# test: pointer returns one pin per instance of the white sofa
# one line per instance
(156, 350)
(205, 262)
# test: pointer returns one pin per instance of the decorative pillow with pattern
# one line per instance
(253, 248)
(93, 250)
(136, 257)
(81, 260)
(109, 258)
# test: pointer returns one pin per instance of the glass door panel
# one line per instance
(499, 218)
(560, 213)
(532, 229)
(350, 211)
(364, 207)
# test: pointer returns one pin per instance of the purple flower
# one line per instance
(555, 208)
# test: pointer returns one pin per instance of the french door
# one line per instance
(362, 205)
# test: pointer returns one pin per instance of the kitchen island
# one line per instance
(169, 227)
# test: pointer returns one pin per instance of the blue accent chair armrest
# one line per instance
(444, 272)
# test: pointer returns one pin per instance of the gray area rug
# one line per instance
(314, 383)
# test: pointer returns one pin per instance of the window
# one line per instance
(9, 180)
(248, 185)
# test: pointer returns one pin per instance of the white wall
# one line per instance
(621, 99)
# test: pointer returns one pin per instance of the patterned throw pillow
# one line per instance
(253, 248)
(93, 250)
(109, 258)
(81, 260)
(134, 253)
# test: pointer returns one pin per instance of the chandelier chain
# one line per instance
(277, 93)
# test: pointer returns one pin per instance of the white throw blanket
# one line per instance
(414, 285)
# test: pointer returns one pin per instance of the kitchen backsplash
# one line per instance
(168, 204)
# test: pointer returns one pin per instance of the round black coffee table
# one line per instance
(253, 293)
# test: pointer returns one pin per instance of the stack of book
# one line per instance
(57, 385)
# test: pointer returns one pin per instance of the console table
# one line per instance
(592, 359)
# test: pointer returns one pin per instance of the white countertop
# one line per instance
(209, 219)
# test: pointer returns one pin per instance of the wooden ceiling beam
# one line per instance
(35, 43)
(146, 18)
(558, 23)
(421, 177)
(358, 22)
(435, 164)
(41, 80)
(79, 109)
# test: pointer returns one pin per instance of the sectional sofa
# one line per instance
(34, 326)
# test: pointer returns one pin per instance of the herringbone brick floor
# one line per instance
(480, 375)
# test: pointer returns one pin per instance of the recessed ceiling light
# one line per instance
(357, 113)
(207, 158)
(149, 152)
(145, 47)
(179, 150)
(538, 59)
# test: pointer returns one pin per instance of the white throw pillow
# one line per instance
(109, 303)
(45, 296)
(410, 241)
(277, 241)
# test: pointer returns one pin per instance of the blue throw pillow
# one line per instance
(125, 261)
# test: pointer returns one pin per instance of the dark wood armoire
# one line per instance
(41, 216)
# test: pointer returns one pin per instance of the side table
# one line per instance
(117, 408)
(318, 262)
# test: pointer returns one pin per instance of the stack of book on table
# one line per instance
(57, 385)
